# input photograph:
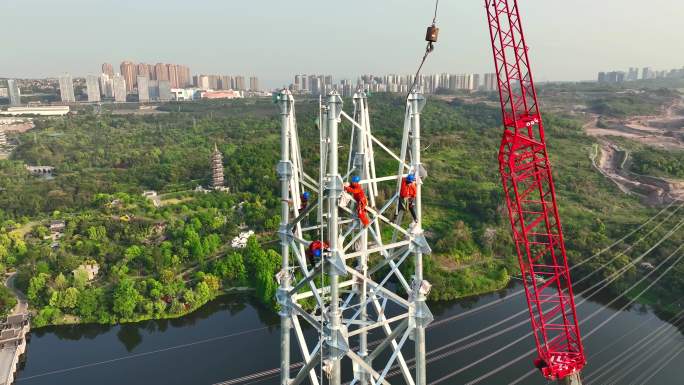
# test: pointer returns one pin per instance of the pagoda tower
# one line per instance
(216, 169)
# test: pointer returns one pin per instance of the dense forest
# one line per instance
(166, 260)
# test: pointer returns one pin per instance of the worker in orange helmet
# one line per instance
(359, 195)
(315, 251)
(407, 195)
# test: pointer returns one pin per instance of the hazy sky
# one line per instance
(274, 39)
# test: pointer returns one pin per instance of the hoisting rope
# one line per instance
(431, 38)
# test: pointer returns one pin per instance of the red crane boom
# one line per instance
(531, 199)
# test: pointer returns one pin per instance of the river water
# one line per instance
(230, 338)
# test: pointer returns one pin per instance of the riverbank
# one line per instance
(68, 319)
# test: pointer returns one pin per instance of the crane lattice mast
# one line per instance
(531, 199)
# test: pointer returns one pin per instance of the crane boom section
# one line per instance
(531, 200)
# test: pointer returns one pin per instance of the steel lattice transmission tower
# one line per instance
(364, 311)
(531, 199)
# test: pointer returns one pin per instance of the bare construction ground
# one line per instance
(665, 131)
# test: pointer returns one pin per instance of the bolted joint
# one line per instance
(284, 170)
(334, 186)
(283, 299)
(420, 315)
(359, 161)
(361, 375)
(337, 341)
(336, 263)
(419, 99)
(285, 234)
(418, 243)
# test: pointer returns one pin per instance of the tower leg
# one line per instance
(285, 173)
(334, 191)
(573, 379)
(422, 315)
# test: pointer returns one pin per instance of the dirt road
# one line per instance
(665, 131)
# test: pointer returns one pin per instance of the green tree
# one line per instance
(126, 298)
(36, 289)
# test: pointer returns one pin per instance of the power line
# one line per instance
(662, 366)
(138, 355)
(580, 303)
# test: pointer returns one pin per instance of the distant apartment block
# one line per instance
(143, 89)
(13, 92)
(239, 83)
(119, 88)
(612, 77)
(106, 86)
(129, 73)
(108, 69)
(254, 83)
(93, 88)
(164, 90)
(66, 89)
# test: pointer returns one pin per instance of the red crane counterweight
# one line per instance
(531, 200)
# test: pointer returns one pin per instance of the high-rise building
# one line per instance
(173, 75)
(239, 83)
(254, 83)
(13, 92)
(315, 84)
(154, 89)
(297, 83)
(183, 76)
(143, 70)
(602, 77)
(93, 88)
(161, 72)
(164, 90)
(647, 73)
(119, 88)
(203, 82)
(216, 168)
(213, 81)
(108, 69)
(633, 74)
(226, 82)
(129, 73)
(490, 82)
(476, 82)
(106, 86)
(143, 89)
(66, 88)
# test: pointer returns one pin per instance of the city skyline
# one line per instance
(218, 47)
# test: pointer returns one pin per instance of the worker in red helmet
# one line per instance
(315, 251)
(407, 195)
(356, 190)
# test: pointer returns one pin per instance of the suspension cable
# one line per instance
(610, 279)
(431, 38)
(662, 366)
(597, 328)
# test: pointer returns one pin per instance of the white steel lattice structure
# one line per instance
(366, 309)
